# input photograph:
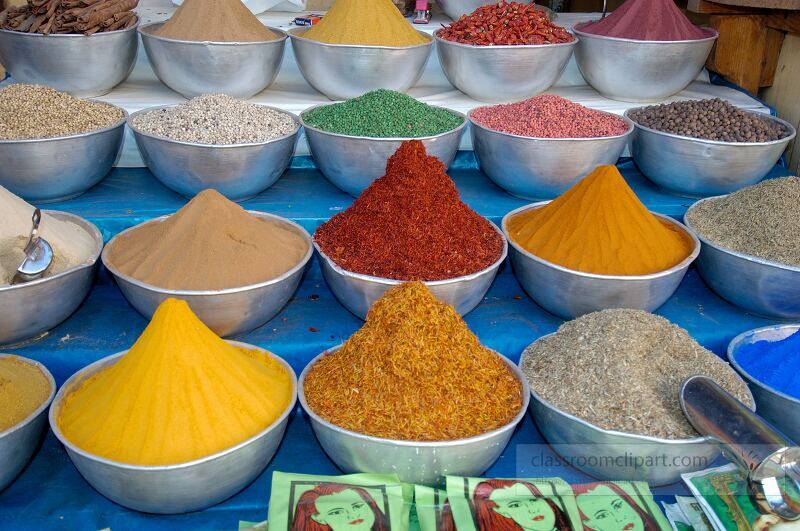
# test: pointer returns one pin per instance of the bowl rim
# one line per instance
(439, 39)
(630, 123)
(582, 34)
(96, 366)
(145, 32)
(510, 426)
(296, 33)
(75, 35)
(44, 405)
(683, 264)
(119, 123)
(202, 293)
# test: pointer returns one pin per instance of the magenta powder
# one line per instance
(646, 20)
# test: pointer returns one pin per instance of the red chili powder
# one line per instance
(646, 20)
(410, 224)
(549, 116)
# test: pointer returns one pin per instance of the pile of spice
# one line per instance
(209, 244)
(367, 23)
(215, 21)
(505, 23)
(70, 16)
(414, 372)
(23, 388)
(35, 111)
(179, 394)
(600, 226)
(216, 119)
(647, 20)
(549, 116)
(761, 220)
(774, 363)
(623, 370)
(383, 114)
(411, 224)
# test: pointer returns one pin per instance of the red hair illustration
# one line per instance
(488, 519)
(306, 514)
(648, 521)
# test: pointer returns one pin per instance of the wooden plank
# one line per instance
(713, 8)
(784, 22)
(783, 93)
(772, 52)
(762, 4)
(739, 51)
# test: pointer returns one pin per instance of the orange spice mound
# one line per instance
(414, 372)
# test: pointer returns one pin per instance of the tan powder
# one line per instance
(23, 388)
(215, 21)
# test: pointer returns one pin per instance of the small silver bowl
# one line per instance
(192, 68)
(179, 488)
(502, 73)
(344, 71)
(351, 163)
(569, 294)
(237, 171)
(19, 442)
(227, 311)
(358, 292)
(43, 304)
(640, 71)
(542, 168)
(83, 66)
(456, 8)
(48, 170)
(699, 168)
(418, 462)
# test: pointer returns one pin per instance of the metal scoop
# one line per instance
(38, 254)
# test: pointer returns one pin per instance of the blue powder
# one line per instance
(774, 363)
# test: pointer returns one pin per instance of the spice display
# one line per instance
(214, 21)
(600, 226)
(216, 119)
(209, 244)
(774, 363)
(70, 16)
(505, 23)
(647, 20)
(549, 116)
(179, 394)
(23, 388)
(414, 371)
(372, 23)
(410, 224)
(623, 370)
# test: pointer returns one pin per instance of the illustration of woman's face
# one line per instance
(344, 511)
(605, 510)
(528, 511)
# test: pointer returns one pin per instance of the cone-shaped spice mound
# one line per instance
(179, 394)
(414, 372)
(647, 20)
(215, 21)
(365, 22)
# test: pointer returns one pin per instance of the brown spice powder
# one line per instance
(215, 21)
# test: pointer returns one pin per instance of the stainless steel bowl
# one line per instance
(542, 168)
(35, 307)
(179, 488)
(569, 294)
(83, 66)
(19, 442)
(227, 311)
(456, 8)
(344, 71)
(697, 167)
(358, 292)
(419, 462)
(502, 73)
(631, 70)
(351, 163)
(237, 171)
(192, 68)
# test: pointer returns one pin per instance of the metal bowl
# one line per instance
(569, 294)
(227, 311)
(19, 442)
(48, 170)
(351, 163)
(542, 168)
(456, 8)
(631, 70)
(502, 73)
(698, 167)
(42, 304)
(179, 488)
(83, 66)
(192, 68)
(419, 462)
(344, 71)
(358, 292)
(237, 171)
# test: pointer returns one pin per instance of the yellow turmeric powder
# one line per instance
(23, 388)
(365, 22)
(600, 226)
(179, 394)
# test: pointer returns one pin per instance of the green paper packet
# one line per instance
(678, 520)
(694, 513)
(252, 526)
(615, 505)
(432, 509)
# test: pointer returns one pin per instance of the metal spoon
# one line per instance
(38, 254)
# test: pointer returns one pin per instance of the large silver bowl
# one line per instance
(35, 307)
(192, 68)
(358, 292)
(502, 73)
(456, 8)
(344, 71)
(631, 70)
(419, 462)
(541, 168)
(569, 294)
(179, 488)
(83, 66)
(48, 170)
(351, 163)
(698, 167)
(18, 442)
(227, 311)
(237, 171)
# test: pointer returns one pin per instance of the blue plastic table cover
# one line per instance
(50, 493)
